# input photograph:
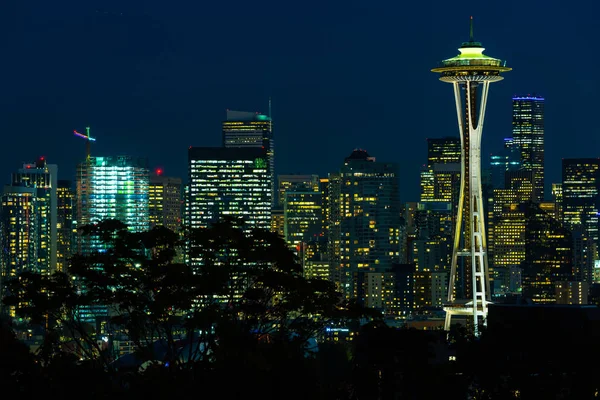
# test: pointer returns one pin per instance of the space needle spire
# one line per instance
(470, 74)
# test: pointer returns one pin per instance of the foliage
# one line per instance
(243, 307)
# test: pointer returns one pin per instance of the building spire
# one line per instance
(270, 116)
(471, 33)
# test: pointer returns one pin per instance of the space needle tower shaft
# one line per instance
(470, 74)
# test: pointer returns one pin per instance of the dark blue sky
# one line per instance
(154, 77)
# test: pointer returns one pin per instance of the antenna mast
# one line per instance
(471, 33)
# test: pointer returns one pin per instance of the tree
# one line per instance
(242, 307)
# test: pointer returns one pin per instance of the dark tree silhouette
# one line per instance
(243, 310)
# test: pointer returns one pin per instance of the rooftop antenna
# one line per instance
(471, 33)
(270, 116)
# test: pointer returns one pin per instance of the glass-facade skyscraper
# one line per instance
(228, 182)
(112, 188)
(528, 136)
(252, 130)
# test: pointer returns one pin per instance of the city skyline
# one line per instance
(147, 82)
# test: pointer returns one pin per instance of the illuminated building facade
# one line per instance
(288, 182)
(278, 222)
(580, 209)
(558, 201)
(507, 229)
(332, 217)
(112, 188)
(164, 201)
(229, 182)
(528, 136)
(440, 180)
(66, 229)
(44, 178)
(303, 216)
(23, 220)
(572, 292)
(369, 225)
(507, 160)
(467, 72)
(243, 129)
(548, 254)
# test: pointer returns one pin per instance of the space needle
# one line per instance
(470, 74)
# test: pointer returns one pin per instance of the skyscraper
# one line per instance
(65, 225)
(252, 130)
(43, 177)
(440, 180)
(112, 188)
(288, 181)
(528, 136)
(507, 160)
(580, 208)
(369, 226)
(164, 201)
(229, 182)
(303, 214)
(467, 72)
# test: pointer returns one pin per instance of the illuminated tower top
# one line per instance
(471, 64)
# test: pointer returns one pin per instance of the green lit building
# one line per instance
(112, 188)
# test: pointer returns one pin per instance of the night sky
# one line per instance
(154, 77)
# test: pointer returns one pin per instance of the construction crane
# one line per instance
(88, 139)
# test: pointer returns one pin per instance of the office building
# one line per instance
(229, 182)
(66, 227)
(243, 129)
(506, 160)
(289, 181)
(528, 136)
(112, 188)
(580, 208)
(440, 179)
(303, 215)
(164, 201)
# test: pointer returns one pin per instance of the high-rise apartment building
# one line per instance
(164, 201)
(243, 129)
(66, 229)
(112, 188)
(44, 177)
(528, 136)
(369, 219)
